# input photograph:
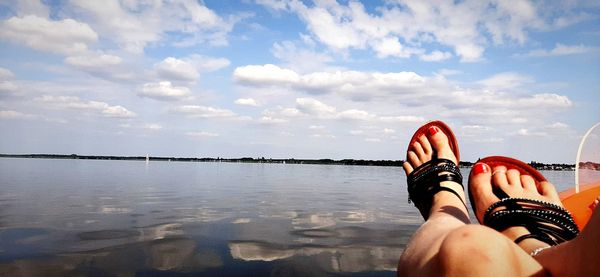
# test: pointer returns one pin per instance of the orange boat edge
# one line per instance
(580, 204)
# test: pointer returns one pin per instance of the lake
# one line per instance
(126, 218)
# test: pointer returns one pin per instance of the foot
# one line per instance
(483, 180)
(435, 144)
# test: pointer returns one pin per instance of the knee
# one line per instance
(472, 246)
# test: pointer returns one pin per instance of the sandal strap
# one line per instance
(545, 221)
(424, 182)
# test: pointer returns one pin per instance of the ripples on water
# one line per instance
(82, 217)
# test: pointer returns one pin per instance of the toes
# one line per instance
(426, 145)
(528, 183)
(499, 178)
(439, 143)
(438, 139)
(407, 167)
(418, 149)
(513, 177)
(481, 188)
(413, 159)
(548, 190)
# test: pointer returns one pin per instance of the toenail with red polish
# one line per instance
(481, 168)
(432, 130)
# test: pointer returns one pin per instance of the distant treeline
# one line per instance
(536, 165)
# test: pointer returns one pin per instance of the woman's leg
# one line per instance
(447, 212)
(445, 244)
(577, 257)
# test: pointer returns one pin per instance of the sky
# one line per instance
(297, 79)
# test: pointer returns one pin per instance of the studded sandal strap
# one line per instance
(424, 182)
(546, 222)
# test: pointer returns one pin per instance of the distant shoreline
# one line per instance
(397, 163)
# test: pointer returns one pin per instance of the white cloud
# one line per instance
(246, 102)
(271, 120)
(561, 50)
(32, 7)
(388, 131)
(135, 24)
(391, 47)
(188, 68)
(65, 36)
(312, 106)
(15, 115)
(300, 59)
(172, 68)
(325, 136)
(402, 119)
(6, 74)
(528, 133)
(403, 28)
(7, 87)
(357, 132)
(505, 81)
(372, 140)
(152, 126)
(204, 111)
(504, 97)
(202, 134)
(95, 107)
(360, 85)
(354, 114)
(436, 56)
(164, 91)
(558, 125)
(93, 61)
(268, 74)
(316, 127)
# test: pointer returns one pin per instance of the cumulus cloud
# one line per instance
(177, 69)
(188, 68)
(9, 114)
(561, 50)
(133, 24)
(355, 84)
(505, 97)
(93, 61)
(6, 74)
(152, 126)
(204, 111)
(202, 134)
(105, 66)
(436, 56)
(91, 107)
(264, 75)
(7, 88)
(271, 120)
(401, 29)
(164, 91)
(246, 102)
(314, 107)
(298, 58)
(65, 36)
(505, 81)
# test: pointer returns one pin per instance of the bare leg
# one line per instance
(484, 179)
(581, 253)
(577, 257)
(447, 212)
(445, 244)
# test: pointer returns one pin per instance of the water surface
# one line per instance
(87, 217)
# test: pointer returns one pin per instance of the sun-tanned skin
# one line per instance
(484, 179)
(577, 257)
(446, 244)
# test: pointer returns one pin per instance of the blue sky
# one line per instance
(300, 79)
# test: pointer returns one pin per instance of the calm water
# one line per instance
(78, 217)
